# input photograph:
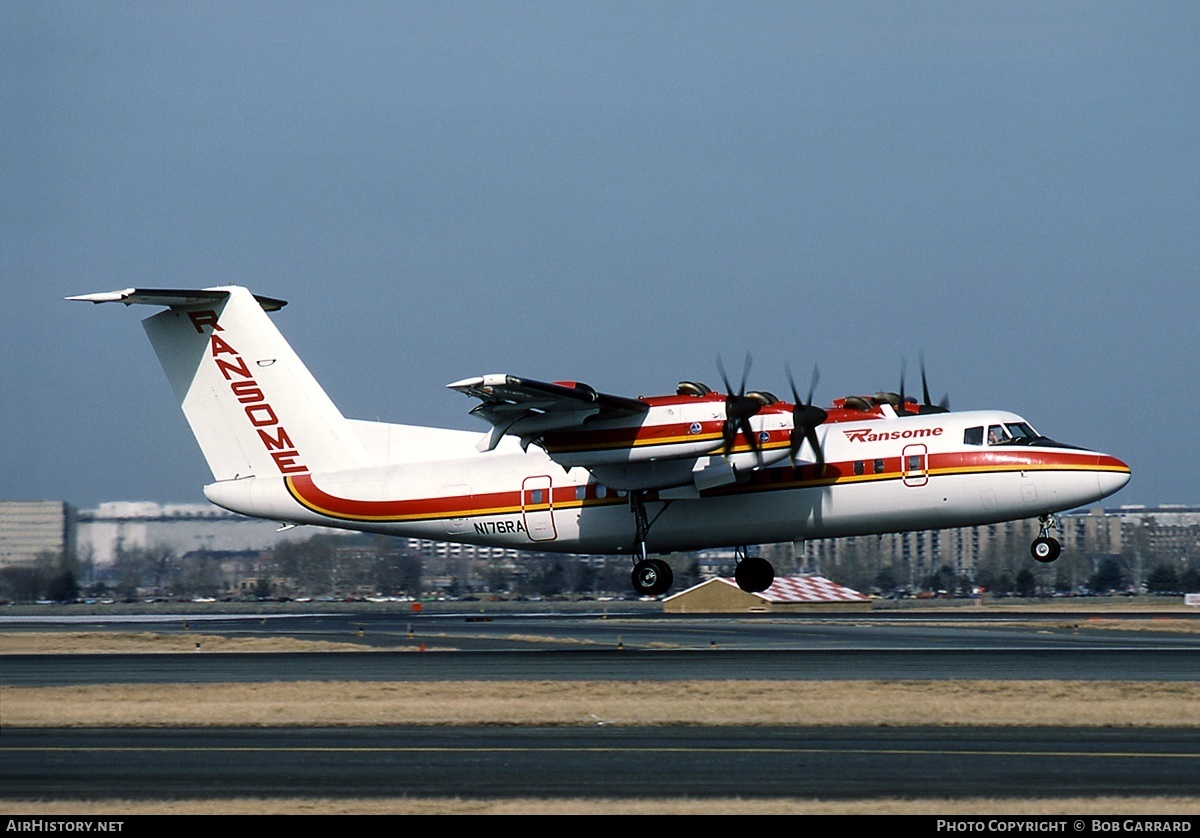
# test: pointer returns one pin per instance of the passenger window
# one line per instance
(879, 466)
(973, 436)
(859, 467)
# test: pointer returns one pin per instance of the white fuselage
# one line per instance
(881, 475)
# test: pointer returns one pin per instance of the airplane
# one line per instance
(566, 468)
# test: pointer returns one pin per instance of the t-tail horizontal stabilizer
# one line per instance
(253, 406)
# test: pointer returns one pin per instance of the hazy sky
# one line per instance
(609, 192)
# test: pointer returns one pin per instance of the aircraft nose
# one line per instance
(1113, 475)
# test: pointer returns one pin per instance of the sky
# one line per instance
(609, 192)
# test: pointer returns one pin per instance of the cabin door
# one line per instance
(914, 465)
(537, 507)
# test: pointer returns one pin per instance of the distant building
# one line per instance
(1150, 534)
(1144, 537)
(786, 594)
(184, 528)
(30, 528)
(188, 528)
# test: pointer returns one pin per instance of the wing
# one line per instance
(527, 408)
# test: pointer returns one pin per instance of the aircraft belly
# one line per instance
(807, 513)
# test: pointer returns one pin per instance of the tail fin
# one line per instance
(253, 406)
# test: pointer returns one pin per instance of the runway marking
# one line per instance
(401, 749)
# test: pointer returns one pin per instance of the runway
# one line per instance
(603, 762)
(473, 646)
(607, 761)
(1127, 664)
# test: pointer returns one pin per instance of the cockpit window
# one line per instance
(1009, 433)
(1021, 433)
(1012, 433)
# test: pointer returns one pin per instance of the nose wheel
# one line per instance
(1046, 548)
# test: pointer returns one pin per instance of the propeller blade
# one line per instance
(739, 408)
(924, 383)
(805, 419)
(927, 405)
(752, 438)
(810, 434)
(725, 376)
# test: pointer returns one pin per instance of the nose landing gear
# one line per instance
(1046, 548)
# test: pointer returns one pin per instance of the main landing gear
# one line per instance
(753, 574)
(653, 577)
(1046, 548)
(650, 577)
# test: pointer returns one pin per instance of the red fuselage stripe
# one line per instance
(305, 491)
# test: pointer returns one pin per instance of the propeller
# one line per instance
(739, 407)
(927, 406)
(896, 400)
(805, 419)
(900, 401)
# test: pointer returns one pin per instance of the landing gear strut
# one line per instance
(753, 574)
(650, 577)
(1045, 548)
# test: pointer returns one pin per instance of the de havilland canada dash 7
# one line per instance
(566, 468)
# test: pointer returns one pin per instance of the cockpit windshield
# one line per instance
(1008, 433)
(1019, 433)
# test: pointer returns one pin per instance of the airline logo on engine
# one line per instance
(245, 389)
(872, 435)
